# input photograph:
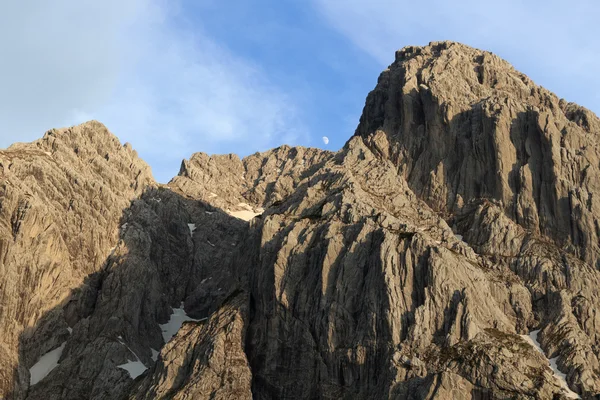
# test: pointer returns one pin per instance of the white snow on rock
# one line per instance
(459, 237)
(70, 330)
(192, 228)
(532, 339)
(212, 195)
(247, 214)
(154, 354)
(47, 363)
(177, 319)
(135, 368)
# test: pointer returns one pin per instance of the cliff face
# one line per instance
(514, 169)
(61, 199)
(411, 264)
(461, 124)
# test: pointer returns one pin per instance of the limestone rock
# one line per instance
(61, 200)
(211, 353)
(461, 216)
(256, 182)
(513, 168)
(462, 124)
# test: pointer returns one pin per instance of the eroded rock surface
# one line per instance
(252, 183)
(461, 216)
(61, 200)
(513, 168)
(463, 124)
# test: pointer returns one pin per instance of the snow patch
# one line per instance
(192, 228)
(177, 319)
(135, 368)
(70, 330)
(247, 214)
(532, 339)
(459, 237)
(209, 212)
(154, 354)
(47, 363)
(562, 379)
(212, 195)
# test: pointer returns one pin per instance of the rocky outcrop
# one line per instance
(161, 263)
(253, 183)
(462, 124)
(362, 291)
(411, 264)
(480, 142)
(61, 200)
(211, 356)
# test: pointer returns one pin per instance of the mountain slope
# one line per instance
(415, 263)
(462, 124)
(60, 204)
(515, 168)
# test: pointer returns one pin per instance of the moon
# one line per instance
(325, 139)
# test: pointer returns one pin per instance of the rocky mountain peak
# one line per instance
(448, 251)
(462, 125)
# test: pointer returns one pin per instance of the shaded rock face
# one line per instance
(462, 124)
(479, 142)
(212, 354)
(61, 199)
(361, 290)
(407, 265)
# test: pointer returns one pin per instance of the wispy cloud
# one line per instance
(555, 42)
(168, 89)
(58, 56)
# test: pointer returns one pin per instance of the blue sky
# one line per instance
(180, 76)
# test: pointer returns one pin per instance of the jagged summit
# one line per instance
(448, 251)
(462, 124)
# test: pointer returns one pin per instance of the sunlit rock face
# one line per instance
(448, 251)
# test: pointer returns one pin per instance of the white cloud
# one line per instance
(57, 56)
(133, 65)
(555, 42)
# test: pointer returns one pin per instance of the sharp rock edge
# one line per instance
(462, 214)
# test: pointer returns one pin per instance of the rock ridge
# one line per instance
(460, 217)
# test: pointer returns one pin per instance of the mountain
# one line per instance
(450, 250)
